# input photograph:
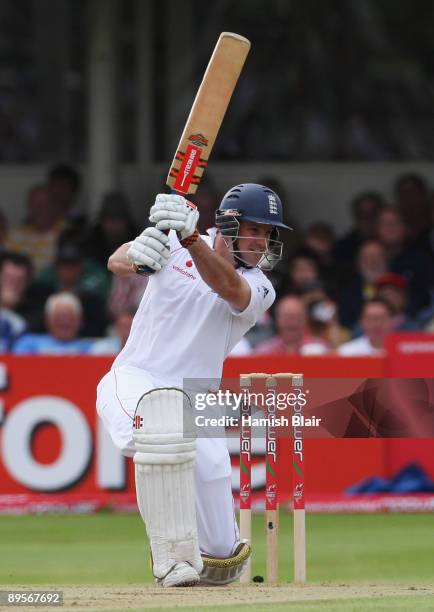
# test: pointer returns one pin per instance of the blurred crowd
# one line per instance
(56, 294)
(335, 294)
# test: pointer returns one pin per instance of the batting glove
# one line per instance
(150, 249)
(176, 213)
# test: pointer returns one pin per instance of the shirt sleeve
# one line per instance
(261, 298)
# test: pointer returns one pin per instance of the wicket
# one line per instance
(271, 497)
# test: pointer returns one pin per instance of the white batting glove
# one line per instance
(176, 213)
(150, 249)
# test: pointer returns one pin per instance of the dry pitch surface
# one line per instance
(137, 597)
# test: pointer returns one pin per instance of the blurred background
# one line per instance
(334, 111)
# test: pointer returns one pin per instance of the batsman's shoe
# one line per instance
(219, 571)
(181, 575)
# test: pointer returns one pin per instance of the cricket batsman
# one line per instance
(203, 294)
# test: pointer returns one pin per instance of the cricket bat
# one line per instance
(206, 116)
(207, 112)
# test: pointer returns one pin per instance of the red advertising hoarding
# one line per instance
(55, 454)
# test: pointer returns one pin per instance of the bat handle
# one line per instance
(144, 270)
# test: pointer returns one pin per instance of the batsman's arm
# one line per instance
(220, 275)
(118, 262)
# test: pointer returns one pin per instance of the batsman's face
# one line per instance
(253, 241)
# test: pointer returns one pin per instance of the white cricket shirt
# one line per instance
(182, 328)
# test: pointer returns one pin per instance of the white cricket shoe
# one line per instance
(181, 575)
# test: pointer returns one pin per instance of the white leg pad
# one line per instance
(164, 462)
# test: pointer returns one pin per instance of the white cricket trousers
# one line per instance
(117, 395)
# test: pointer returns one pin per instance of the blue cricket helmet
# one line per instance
(257, 203)
(253, 202)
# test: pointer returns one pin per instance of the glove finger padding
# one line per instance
(146, 255)
(144, 260)
(168, 224)
(155, 233)
(174, 212)
(165, 198)
(165, 213)
(146, 242)
(172, 206)
(150, 249)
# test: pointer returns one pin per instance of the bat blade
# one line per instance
(207, 112)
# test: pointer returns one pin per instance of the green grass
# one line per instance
(111, 549)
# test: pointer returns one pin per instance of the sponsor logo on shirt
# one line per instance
(183, 272)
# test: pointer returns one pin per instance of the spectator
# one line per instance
(63, 317)
(86, 279)
(12, 325)
(113, 228)
(18, 294)
(392, 289)
(64, 185)
(293, 334)
(410, 261)
(72, 271)
(413, 204)
(320, 239)
(365, 209)
(323, 322)
(376, 323)
(38, 235)
(370, 265)
(303, 273)
(121, 331)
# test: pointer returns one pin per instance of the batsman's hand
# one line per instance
(176, 213)
(150, 249)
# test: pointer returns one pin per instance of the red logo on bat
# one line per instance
(187, 168)
(189, 263)
(199, 140)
